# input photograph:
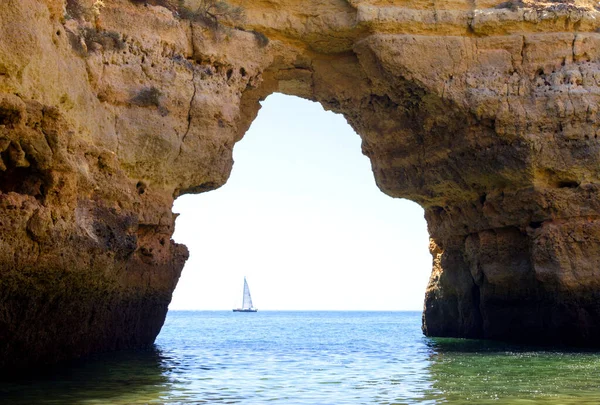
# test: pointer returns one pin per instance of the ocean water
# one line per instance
(315, 358)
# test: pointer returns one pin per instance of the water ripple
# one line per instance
(315, 358)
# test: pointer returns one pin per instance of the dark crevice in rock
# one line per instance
(140, 187)
(21, 176)
(568, 184)
(536, 224)
(189, 116)
(476, 330)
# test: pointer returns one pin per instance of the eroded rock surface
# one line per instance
(484, 113)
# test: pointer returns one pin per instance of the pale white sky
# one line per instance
(302, 219)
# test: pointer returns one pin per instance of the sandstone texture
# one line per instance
(485, 113)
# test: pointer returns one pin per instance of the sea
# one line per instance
(315, 358)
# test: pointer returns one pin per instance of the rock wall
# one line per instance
(484, 113)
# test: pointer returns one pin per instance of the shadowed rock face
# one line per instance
(485, 114)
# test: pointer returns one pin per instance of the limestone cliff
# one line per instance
(485, 113)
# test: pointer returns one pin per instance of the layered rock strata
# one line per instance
(484, 113)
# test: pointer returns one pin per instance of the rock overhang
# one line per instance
(485, 113)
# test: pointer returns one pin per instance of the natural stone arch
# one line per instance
(457, 124)
(486, 116)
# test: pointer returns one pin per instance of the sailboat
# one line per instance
(246, 300)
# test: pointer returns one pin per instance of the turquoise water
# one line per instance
(316, 358)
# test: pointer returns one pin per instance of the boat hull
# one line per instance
(245, 310)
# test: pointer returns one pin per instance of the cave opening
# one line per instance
(302, 218)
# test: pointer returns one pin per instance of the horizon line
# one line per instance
(301, 310)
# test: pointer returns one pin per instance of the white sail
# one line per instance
(247, 300)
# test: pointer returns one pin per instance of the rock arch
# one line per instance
(485, 114)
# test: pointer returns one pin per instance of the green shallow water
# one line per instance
(315, 358)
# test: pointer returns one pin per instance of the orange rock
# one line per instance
(484, 113)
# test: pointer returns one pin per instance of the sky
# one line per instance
(302, 219)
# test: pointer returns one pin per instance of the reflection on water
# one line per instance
(123, 378)
(316, 358)
(484, 372)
